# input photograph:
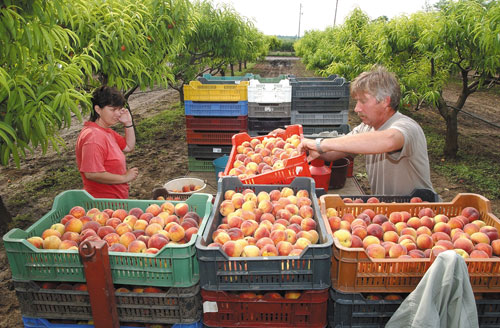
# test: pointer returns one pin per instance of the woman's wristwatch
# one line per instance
(318, 145)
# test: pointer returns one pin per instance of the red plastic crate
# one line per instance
(239, 123)
(223, 309)
(353, 271)
(294, 167)
(210, 137)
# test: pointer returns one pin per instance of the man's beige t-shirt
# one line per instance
(399, 172)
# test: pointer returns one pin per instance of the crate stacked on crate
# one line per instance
(320, 104)
(257, 273)
(158, 284)
(214, 112)
(269, 104)
(367, 290)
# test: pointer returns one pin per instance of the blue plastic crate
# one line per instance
(196, 108)
(43, 323)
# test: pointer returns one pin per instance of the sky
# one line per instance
(281, 17)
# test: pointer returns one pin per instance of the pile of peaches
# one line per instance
(274, 223)
(399, 235)
(262, 156)
(83, 287)
(134, 231)
(288, 295)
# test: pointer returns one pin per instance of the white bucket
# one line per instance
(175, 186)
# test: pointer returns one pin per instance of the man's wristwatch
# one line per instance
(318, 145)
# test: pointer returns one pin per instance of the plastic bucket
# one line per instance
(339, 173)
(220, 165)
(320, 173)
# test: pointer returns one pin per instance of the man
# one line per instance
(394, 144)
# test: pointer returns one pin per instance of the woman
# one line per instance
(100, 150)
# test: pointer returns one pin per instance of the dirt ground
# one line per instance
(168, 159)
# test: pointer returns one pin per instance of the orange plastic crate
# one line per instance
(209, 137)
(294, 167)
(226, 309)
(353, 271)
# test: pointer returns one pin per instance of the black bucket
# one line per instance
(339, 173)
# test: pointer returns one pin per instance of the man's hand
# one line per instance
(308, 146)
(277, 131)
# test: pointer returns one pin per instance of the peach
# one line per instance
(87, 233)
(154, 209)
(440, 236)
(235, 233)
(112, 222)
(465, 244)
(145, 238)
(403, 237)
(266, 224)
(488, 249)
(51, 232)
(237, 200)
(286, 191)
(308, 224)
(36, 241)
(358, 222)
(334, 222)
(68, 244)
(228, 194)
(59, 227)
(265, 206)
(375, 230)
(117, 248)
(226, 207)
(232, 248)
(146, 216)
(261, 232)
(388, 226)
(77, 211)
(427, 222)
(332, 212)
(441, 218)
(409, 244)
(490, 231)
(282, 222)
(348, 217)
(480, 237)
(111, 238)
(176, 232)
(290, 235)
(267, 216)
(365, 217)
(495, 245)
(119, 213)
(248, 227)
(409, 231)
(295, 227)
(189, 233)
(269, 250)
(391, 236)
(189, 223)
(416, 253)
(369, 240)
(414, 222)
(302, 243)
(52, 241)
(122, 228)
(167, 206)
(278, 226)
(101, 218)
(93, 225)
(478, 254)
(400, 226)
(130, 220)
(307, 235)
(137, 246)
(455, 222)
(379, 219)
(274, 194)
(359, 231)
(136, 211)
(462, 253)
(397, 250)
(109, 212)
(180, 209)
(221, 238)
(234, 221)
(157, 241)
(471, 213)
(249, 205)
(375, 251)
(372, 200)
(424, 241)
(153, 228)
(104, 230)
(296, 251)
(479, 223)
(442, 227)
(345, 225)
(423, 230)
(445, 243)
(295, 219)
(306, 211)
(315, 236)
(74, 225)
(293, 209)
(92, 212)
(426, 212)
(301, 201)
(283, 214)
(127, 238)
(250, 251)
(356, 241)
(302, 193)
(369, 212)
(395, 217)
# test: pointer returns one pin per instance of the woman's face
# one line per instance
(108, 115)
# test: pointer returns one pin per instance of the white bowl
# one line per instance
(175, 186)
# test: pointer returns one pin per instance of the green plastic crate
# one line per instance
(172, 266)
(200, 165)
(270, 79)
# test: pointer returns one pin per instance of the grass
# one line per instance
(154, 127)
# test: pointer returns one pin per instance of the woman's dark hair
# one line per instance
(105, 96)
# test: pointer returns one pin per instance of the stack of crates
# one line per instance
(320, 104)
(161, 288)
(264, 291)
(367, 291)
(215, 111)
(269, 104)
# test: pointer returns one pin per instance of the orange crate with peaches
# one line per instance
(388, 247)
(265, 237)
(150, 242)
(267, 159)
(265, 309)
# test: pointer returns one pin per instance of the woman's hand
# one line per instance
(125, 117)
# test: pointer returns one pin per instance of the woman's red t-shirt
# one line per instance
(100, 150)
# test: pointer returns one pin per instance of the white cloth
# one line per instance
(442, 299)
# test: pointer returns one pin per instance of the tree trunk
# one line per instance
(222, 72)
(450, 116)
(239, 63)
(5, 218)
(245, 64)
(232, 69)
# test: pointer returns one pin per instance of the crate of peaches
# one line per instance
(387, 247)
(150, 242)
(267, 159)
(265, 237)
(265, 309)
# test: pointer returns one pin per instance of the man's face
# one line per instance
(369, 110)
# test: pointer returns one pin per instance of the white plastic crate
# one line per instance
(270, 92)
